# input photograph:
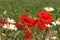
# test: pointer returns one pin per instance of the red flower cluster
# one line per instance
(44, 18)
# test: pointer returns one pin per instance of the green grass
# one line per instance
(15, 8)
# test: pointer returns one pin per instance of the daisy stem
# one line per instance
(16, 35)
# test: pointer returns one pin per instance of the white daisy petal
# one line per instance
(5, 12)
(13, 27)
(57, 22)
(10, 20)
(49, 9)
(54, 23)
(4, 26)
(48, 25)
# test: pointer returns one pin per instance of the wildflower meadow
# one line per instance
(29, 19)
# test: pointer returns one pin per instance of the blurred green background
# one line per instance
(15, 8)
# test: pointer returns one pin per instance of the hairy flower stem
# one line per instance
(16, 35)
(0, 37)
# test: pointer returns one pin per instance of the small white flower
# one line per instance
(53, 37)
(48, 25)
(57, 22)
(54, 23)
(10, 26)
(10, 20)
(49, 9)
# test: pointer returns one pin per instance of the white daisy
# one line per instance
(57, 22)
(49, 9)
(10, 26)
(10, 20)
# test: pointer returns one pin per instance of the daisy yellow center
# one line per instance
(9, 28)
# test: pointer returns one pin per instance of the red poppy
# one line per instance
(41, 26)
(25, 19)
(34, 22)
(30, 22)
(18, 25)
(45, 17)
